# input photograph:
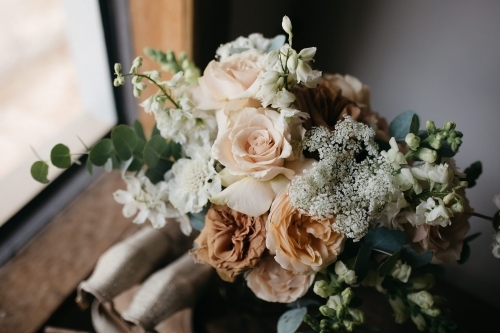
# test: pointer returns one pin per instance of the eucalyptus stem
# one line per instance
(156, 84)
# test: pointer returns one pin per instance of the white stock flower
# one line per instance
(151, 200)
(435, 214)
(401, 271)
(191, 184)
(393, 155)
(401, 311)
(391, 211)
(283, 99)
(253, 42)
(495, 247)
(406, 181)
(286, 24)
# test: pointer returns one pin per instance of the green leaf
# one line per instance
(465, 254)
(403, 124)
(386, 267)
(155, 131)
(414, 259)
(139, 130)
(276, 43)
(385, 240)
(496, 220)
(60, 156)
(136, 165)
(290, 321)
(472, 173)
(175, 149)
(157, 173)
(445, 150)
(472, 237)
(124, 140)
(89, 166)
(155, 150)
(198, 219)
(100, 153)
(39, 172)
(362, 263)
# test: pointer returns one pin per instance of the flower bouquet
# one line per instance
(294, 183)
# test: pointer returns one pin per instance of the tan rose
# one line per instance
(270, 282)
(232, 77)
(325, 104)
(352, 89)
(301, 243)
(445, 242)
(231, 242)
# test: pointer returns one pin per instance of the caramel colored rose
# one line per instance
(231, 242)
(301, 243)
(445, 242)
(270, 282)
(325, 104)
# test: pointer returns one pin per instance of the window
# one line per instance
(58, 88)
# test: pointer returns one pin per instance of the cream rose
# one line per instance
(231, 78)
(270, 282)
(253, 148)
(301, 243)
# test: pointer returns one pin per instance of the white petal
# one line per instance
(185, 225)
(141, 217)
(123, 197)
(227, 178)
(129, 210)
(496, 200)
(278, 183)
(248, 196)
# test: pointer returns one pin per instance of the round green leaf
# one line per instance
(290, 321)
(124, 140)
(403, 124)
(139, 130)
(60, 156)
(155, 150)
(39, 172)
(101, 152)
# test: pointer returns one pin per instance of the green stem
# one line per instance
(159, 87)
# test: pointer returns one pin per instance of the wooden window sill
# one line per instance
(41, 276)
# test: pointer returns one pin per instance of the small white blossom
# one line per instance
(344, 273)
(283, 99)
(192, 183)
(435, 214)
(151, 200)
(252, 42)
(286, 24)
(405, 180)
(401, 271)
(391, 211)
(394, 156)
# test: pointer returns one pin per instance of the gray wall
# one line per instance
(438, 58)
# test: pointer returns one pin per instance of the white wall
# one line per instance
(438, 58)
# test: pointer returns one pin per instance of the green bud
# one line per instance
(427, 155)
(457, 207)
(136, 79)
(116, 82)
(435, 141)
(445, 134)
(324, 324)
(311, 322)
(118, 68)
(454, 147)
(336, 326)
(327, 311)
(433, 312)
(347, 295)
(401, 311)
(422, 298)
(422, 282)
(334, 302)
(341, 310)
(452, 135)
(459, 134)
(430, 126)
(358, 317)
(412, 141)
(137, 92)
(449, 125)
(323, 289)
(349, 325)
(182, 56)
(448, 198)
(141, 86)
(170, 56)
(419, 322)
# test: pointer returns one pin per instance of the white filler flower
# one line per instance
(151, 200)
(191, 183)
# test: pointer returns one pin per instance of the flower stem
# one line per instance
(159, 87)
(482, 216)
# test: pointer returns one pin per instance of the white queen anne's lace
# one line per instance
(350, 182)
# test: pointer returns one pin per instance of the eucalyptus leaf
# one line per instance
(39, 171)
(403, 124)
(291, 320)
(157, 173)
(276, 43)
(155, 131)
(155, 150)
(465, 254)
(414, 259)
(124, 140)
(139, 130)
(386, 267)
(304, 303)
(175, 149)
(60, 156)
(236, 50)
(362, 263)
(89, 166)
(101, 152)
(385, 240)
(153, 176)
(472, 173)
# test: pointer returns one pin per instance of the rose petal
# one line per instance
(248, 196)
